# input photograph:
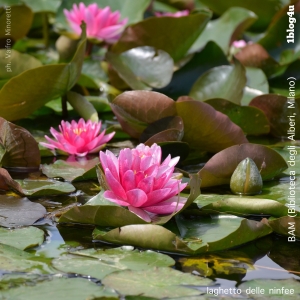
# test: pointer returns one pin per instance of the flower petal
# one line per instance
(136, 197)
(168, 206)
(140, 213)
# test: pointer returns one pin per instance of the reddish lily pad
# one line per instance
(136, 109)
(20, 149)
(282, 113)
(205, 128)
(253, 121)
(7, 183)
(219, 168)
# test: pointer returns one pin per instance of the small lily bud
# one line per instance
(246, 179)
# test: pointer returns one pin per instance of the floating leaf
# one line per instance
(158, 282)
(102, 262)
(20, 149)
(136, 109)
(198, 235)
(205, 128)
(54, 288)
(282, 113)
(219, 168)
(7, 183)
(225, 29)
(21, 96)
(20, 62)
(163, 130)
(35, 188)
(22, 238)
(241, 206)
(225, 82)
(263, 289)
(265, 9)
(21, 17)
(252, 121)
(256, 56)
(287, 225)
(72, 170)
(180, 149)
(16, 260)
(145, 33)
(143, 67)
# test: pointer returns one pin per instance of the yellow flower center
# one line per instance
(79, 130)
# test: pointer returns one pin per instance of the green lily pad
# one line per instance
(20, 15)
(54, 288)
(241, 206)
(72, 171)
(198, 235)
(143, 67)
(252, 121)
(21, 96)
(287, 226)
(225, 82)
(262, 289)
(179, 41)
(15, 260)
(205, 128)
(22, 238)
(35, 188)
(19, 211)
(20, 62)
(157, 282)
(220, 167)
(100, 263)
(225, 29)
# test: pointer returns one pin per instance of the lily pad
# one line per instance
(205, 128)
(143, 67)
(19, 211)
(22, 238)
(54, 288)
(21, 96)
(225, 82)
(136, 109)
(197, 235)
(16, 260)
(179, 41)
(157, 282)
(272, 289)
(241, 206)
(219, 168)
(72, 170)
(287, 226)
(99, 263)
(282, 113)
(252, 121)
(7, 183)
(225, 29)
(35, 188)
(18, 148)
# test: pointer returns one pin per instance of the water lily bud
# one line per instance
(246, 179)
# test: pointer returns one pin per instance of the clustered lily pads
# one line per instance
(144, 116)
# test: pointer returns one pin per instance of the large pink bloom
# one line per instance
(78, 138)
(101, 23)
(138, 180)
(177, 14)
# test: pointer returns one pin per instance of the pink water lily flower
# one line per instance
(178, 14)
(137, 179)
(101, 23)
(78, 138)
(239, 44)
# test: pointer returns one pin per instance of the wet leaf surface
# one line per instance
(22, 238)
(158, 282)
(19, 211)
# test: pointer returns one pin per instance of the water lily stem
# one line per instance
(89, 48)
(45, 30)
(64, 107)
